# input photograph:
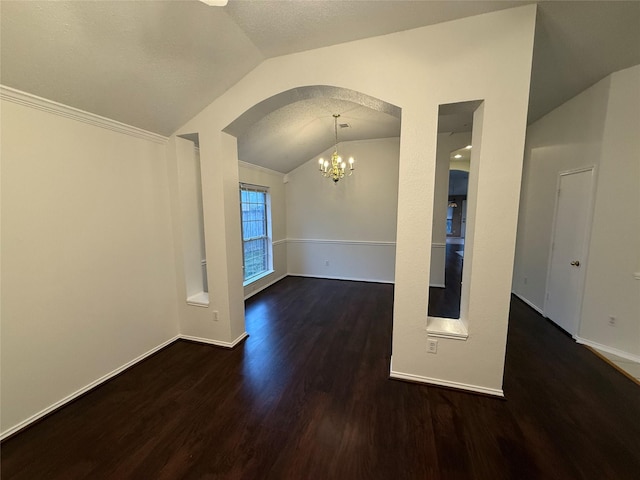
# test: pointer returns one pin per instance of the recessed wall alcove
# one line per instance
(484, 57)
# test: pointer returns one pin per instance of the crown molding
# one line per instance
(49, 106)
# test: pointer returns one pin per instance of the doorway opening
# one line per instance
(453, 166)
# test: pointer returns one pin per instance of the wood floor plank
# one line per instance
(308, 396)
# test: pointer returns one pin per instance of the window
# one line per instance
(256, 230)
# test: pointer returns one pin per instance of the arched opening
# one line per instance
(315, 228)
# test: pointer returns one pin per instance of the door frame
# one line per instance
(587, 239)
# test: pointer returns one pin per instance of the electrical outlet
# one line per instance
(432, 346)
(612, 321)
(215, 315)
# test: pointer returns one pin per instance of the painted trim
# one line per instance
(90, 386)
(437, 285)
(452, 328)
(257, 278)
(636, 275)
(279, 242)
(49, 106)
(217, 343)
(341, 242)
(200, 299)
(260, 168)
(438, 245)
(350, 279)
(264, 286)
(446, 383)
(536, 308)
(60, 403)
(605, 348)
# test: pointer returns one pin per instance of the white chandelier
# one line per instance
(335, 169)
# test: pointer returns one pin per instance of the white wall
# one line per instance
(275, 182)
(598, 127)
(567, 138)
(487, 57)
(221, 320)
(351, 224)
(614, 253)
(88, 279)
(191, 216)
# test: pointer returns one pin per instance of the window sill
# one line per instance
(257, 277)
(199, 299)
(446, 328)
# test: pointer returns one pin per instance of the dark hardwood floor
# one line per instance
(307, 396)
(445, 302)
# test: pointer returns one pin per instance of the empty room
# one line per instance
(320, 239)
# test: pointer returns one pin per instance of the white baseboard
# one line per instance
(217, 343)
(351, 279)
(249, 295)
(60, 403)
(605, 348)
(86, 388)
(446, 383)
(536, 308)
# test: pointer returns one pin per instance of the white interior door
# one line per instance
(569, 248)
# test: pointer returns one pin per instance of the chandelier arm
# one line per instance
(336, 169)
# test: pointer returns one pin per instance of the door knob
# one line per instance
(576, 263)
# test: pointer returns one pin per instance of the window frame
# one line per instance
(265, 238)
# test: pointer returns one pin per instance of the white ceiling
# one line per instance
(155, 64)
(297, 132)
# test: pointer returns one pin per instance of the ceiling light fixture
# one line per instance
(457, 155)
(468, 147)
(335, 170)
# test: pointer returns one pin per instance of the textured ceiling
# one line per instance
(151, 64)
(155, 64)
(282, 27)
(302, 130)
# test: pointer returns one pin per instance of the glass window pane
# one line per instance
(254, 231)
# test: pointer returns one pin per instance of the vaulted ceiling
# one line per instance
(155, 64)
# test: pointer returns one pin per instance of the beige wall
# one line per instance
(88, 279)
(488, 58)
